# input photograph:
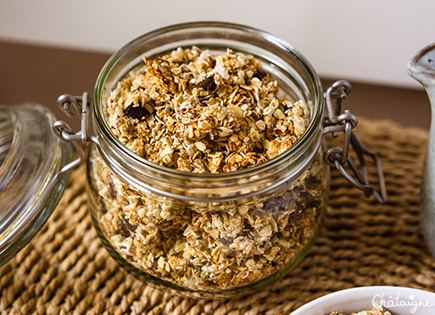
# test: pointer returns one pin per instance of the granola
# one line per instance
(197, 112)
(377, 310)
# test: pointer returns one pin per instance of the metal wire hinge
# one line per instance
(71, 105)
(338, 157)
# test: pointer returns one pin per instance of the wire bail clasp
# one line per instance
(71, 105)
(338, 157)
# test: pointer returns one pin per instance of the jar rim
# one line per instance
(308, 139)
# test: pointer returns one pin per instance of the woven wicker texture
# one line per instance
(65, 269)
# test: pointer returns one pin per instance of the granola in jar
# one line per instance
(197, 113)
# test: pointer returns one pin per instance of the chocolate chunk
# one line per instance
(208, 84)
(296, 216)
(136, 112)
(260, 74)
(225, 241)
(310, 182)
(128, 225)
(124, 230)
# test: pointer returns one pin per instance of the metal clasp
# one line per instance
(338, 157)
(71, 105)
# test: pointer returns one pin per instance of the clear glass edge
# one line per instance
(44, 208)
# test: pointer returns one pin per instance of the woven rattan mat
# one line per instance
(65, 269)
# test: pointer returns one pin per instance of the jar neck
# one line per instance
(263, 178)
(294, 74)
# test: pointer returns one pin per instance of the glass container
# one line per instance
(32, 165)
(210, 235)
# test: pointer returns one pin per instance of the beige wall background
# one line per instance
(369, 41)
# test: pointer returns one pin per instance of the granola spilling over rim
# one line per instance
(377, 310)
(197, 112)
(203, 113)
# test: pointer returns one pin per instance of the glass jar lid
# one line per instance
(31, 185)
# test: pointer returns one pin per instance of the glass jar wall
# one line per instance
(207, 248)
(210, 235)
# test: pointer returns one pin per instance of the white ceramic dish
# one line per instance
(397, 300)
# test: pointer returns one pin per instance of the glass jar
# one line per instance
(211, 235)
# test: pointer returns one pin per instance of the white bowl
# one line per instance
(397, 300)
